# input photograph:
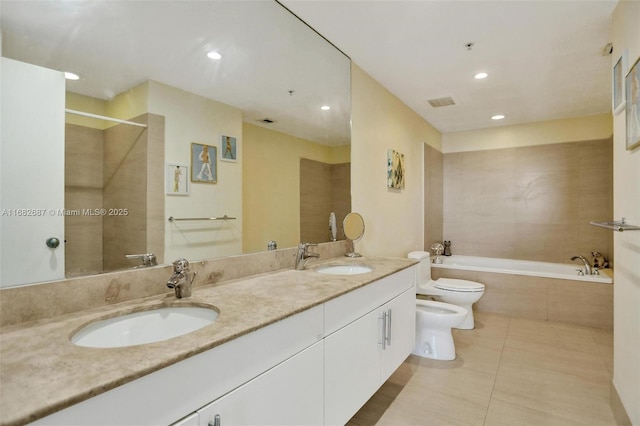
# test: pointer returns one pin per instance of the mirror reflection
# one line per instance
(353, 226)
(151, 63)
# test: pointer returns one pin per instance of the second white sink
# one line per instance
(143, 327)
(344, 269)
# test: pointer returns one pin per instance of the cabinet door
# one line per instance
(401, 333)
(288, 394)
(352, 367)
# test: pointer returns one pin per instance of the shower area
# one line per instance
(114, 199)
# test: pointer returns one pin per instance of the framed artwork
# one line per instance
(204, 166)
(632, 93)
(617, 84)
(395, 169)
(176, 179)
(228, 148)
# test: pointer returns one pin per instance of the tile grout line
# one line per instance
(495, 377)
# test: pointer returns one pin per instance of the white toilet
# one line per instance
(462, 293)
(434, 321)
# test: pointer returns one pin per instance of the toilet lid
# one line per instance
(452, 284)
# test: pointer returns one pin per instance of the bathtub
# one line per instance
(536, 290)
(561, 271)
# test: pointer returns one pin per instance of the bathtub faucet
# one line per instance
(588, 270)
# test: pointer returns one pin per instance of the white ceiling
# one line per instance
(273, 66)
(544, 58)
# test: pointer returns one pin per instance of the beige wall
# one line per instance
(271, 193)
(192, 118)
(626, 203)
(324, 188)
(115, 166)
(83, 184)
(529, 134)
(136, 184)
(393, 218)
(532, 203)
(433, 196)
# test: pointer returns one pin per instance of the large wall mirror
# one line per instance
(273, 112)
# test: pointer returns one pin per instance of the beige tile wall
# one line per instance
(324, 188)
(575, 302)
(134, 157)
(433, 195)
(532, 203)
(83, 190)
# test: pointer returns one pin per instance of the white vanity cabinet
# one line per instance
(290, 394)
(362, 354)
(316, 367)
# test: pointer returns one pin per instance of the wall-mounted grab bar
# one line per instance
(619, 226)
(175, 219)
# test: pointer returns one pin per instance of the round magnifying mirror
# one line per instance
(353, 228)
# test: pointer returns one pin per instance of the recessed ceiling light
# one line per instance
(214, 55)
(71, 76)
(481, 75)
(497, 117)
(325, 107)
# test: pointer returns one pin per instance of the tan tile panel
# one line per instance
(564, 395)
(555, 187)
(513, 295)
(581, 303)
(503, 413)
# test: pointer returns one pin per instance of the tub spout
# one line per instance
(588, 270)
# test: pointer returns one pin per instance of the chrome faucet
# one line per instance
(181, 279)
(148, 259)
(587, 266)
(302, 255)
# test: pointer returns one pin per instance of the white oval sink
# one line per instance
(143, 327)
(344, 269)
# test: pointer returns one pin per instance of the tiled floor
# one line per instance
(508, 371)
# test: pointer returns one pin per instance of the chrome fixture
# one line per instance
(353, 230)
(272, 245)
(148, 259)
(302, 255)
(615, 225)
(181, 279)
(588, 270)
(437, 249)
(176, 219)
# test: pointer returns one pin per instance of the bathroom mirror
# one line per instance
(353, 228)
(275, 71)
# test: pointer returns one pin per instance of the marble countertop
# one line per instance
(42, 372)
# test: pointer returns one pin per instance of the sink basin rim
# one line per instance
(150, 325)
(350, 269)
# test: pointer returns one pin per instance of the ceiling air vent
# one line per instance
(440, 102)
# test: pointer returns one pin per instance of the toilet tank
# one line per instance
(423, 271)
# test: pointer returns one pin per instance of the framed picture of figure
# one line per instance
(228, 148)
(176, 179)
(204, 167)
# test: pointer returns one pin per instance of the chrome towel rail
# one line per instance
(619, 226)
(175, 219)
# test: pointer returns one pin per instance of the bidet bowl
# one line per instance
(344, 269)
(138, 328)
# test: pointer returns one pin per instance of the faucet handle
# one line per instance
(180, 265)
